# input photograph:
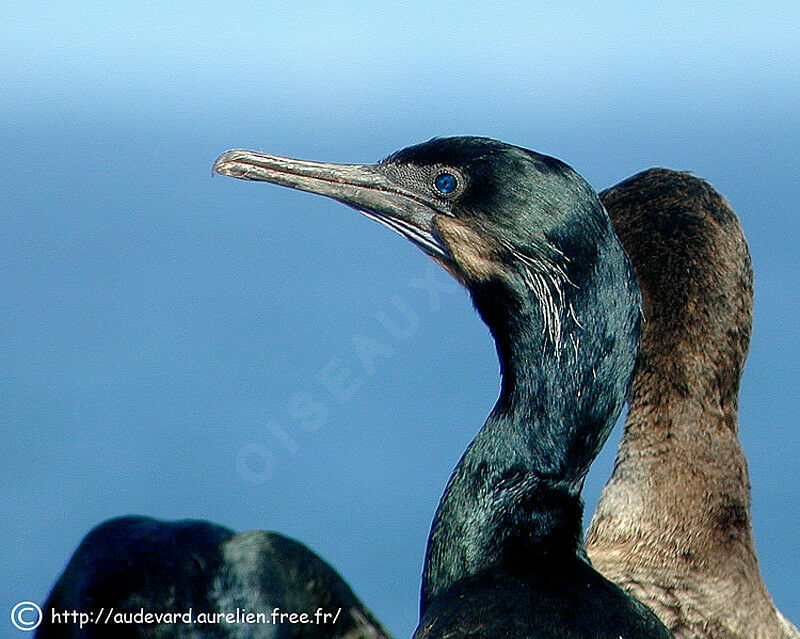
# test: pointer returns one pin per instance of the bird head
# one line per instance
(503, 220)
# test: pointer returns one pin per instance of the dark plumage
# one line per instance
(673, 524)
(135, 563)
(531, 242)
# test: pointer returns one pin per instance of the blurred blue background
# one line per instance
(158, 328)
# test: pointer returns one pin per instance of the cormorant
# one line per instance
(531, 242)
(673, 524)
(132, 564)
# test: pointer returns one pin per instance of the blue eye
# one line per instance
(445, 183)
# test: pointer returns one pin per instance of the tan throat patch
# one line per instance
(475, 256)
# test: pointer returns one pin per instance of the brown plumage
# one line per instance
(673, 523)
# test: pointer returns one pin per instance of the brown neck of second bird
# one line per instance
(680, 450)
(684, 395)
(689, 365)
(677, 508)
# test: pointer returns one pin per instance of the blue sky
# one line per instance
(158, 327)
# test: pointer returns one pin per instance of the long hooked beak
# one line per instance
(361, 186)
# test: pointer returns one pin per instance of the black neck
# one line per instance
(514, 498)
